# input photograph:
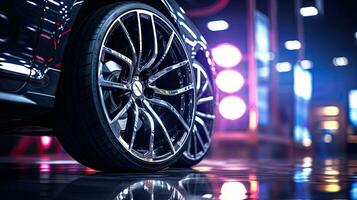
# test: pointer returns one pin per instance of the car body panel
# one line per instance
(20, 22)
(54, 21)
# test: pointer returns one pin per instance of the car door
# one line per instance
(20, 21)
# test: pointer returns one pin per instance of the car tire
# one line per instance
(86, 92)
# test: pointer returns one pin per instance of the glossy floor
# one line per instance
(62, 178)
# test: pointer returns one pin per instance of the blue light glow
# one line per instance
(303, 94)
(302, 83)
(353, 107)
(302, 134)
(263, 57)
(263, 105)
(262, 52)
(354, 190)
(302, 175)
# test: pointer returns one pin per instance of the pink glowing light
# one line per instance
(229, 81)
(46, 141)
(227, 55)
(232, 108)
(45, 168)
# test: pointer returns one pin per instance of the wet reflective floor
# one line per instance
(59, 177)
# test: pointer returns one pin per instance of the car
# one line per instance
(123, 85)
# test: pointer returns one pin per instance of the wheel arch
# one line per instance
(90, 6)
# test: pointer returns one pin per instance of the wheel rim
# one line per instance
(150, 189)
(146, 86)
(200, 140)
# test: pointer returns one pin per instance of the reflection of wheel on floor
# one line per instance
(196, 186)
(200, 140)
(127, 100)
(150, 189)
(175, 185)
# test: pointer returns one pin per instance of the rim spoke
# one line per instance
(195, 144)
(172, 92)
(140, 39)
(204, 88)
(129, 39)
(168, 47)
(201, 75)
(167, 105)
(203, 124)
(122, 111)
(163, 72)
(204, 115)
(135, 128)
(110, 67)
(198, 79)
(199, 138)
(189, 147)
(153, 58)
(156, 116)
(205, 100)
(152, 132)
(113, 102)
(200, 69)
(118, 55)
(110, 84)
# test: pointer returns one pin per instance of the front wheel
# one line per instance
(127, 94)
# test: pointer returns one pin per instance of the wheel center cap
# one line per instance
(137, 88)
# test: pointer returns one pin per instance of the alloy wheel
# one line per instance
(202, 131)
(146, 86)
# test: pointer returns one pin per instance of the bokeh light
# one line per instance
(293, 45)
(229, 81)
(219, 25)
(340, 61)
(309, 11)
(227, 55)
(233, 190)
(283, 67)
(232, 108)
(46, 141)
